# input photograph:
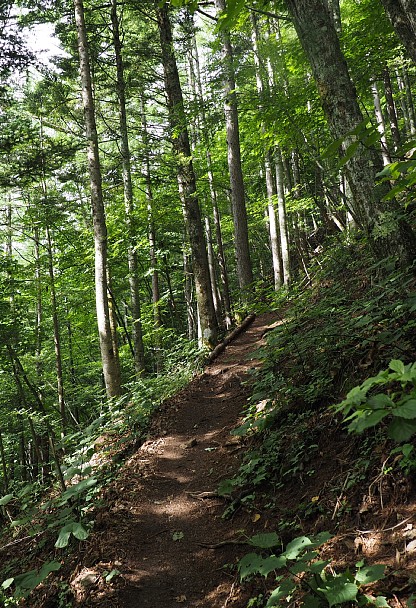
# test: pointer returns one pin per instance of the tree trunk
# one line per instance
(139, 364)
(186, 179)
(110, 367)
(274, 237)
(409, 101)
(381, 127)
(284, 240)
(402, 14)
(212, 270)
(238, 204)
(388, 233)
(224, 288)
(56, 334)
(391, 108)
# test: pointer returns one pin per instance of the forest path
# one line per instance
(157, 524)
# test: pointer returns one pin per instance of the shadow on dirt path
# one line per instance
(159, 521)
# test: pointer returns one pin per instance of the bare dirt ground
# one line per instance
(162, 532)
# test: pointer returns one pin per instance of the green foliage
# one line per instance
(402, 174)
(25, 583)
(309, 579)
(366, 406)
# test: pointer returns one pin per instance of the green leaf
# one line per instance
(63, 538)
(332, 149)
(226, 487)
(381, 602)
(295, 548)
(29, 580)
(78, 489)
(311, 601)
(265, 541)
(367, 421)
(271, 563)
(6, 499)
(249, 564)
(318, 566)
(228, 19)
(79, 531)
(73, 527)
(282, 592)
(339, 590)
(349, 153)
(112, 575)
(369, 574)
(401, 429)
(381, 400)
(407, 410)
(7, 583)
(397, 366)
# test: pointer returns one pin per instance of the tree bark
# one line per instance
(391, 108)
(381, 127)
(110, 367)
(402, 14)
(284, 240)
(225, 287)
(56, 334)
(238, 205)
(139, 362)
(388, 233)
(186, 179)
(270, 190)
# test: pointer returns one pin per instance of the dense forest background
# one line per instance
(175, 167)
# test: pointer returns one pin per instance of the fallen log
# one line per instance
(230, 337)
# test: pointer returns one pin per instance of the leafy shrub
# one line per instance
(306, 577)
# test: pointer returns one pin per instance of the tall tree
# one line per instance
(110, 365)
(128, 196)
(186, 180)
(237, 192)
(385, 228)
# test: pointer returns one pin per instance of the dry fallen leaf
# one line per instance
(314, 498)
(255, 517)
(180, 599)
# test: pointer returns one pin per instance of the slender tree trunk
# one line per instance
(238, 205)
(110, 367)
(4, 466)
(39, 308)
(381, 127)
(274, 237)
(388, 233)
(284, 240)
(409, 101)
(112, 311)
(186, 179)
(403, 104)
(56, 335)
(212, 271)
(151, 226)
(139, 363)
(391, 109)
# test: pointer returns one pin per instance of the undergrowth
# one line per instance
(52, 517)
(355, 321)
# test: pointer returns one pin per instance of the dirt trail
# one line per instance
(157, 526)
